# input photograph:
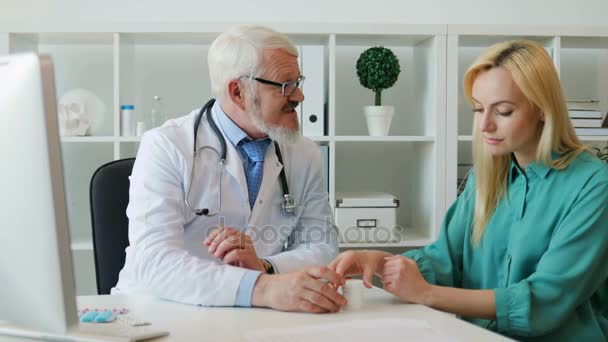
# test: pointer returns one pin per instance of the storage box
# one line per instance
(366, 217)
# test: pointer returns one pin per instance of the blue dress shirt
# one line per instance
(235, 134)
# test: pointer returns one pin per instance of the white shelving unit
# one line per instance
(418, 162)
(405, 163)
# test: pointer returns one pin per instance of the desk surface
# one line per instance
(191, 323)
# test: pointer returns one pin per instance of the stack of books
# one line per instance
(587, 118)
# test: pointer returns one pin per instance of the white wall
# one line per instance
(15, 14)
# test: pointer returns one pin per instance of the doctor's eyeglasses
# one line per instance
(287, 88)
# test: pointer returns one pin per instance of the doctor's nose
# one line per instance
(297, 95)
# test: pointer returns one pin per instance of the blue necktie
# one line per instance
(255, 151)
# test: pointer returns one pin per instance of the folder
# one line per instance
(313, 109)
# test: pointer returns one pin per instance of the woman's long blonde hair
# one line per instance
(533, 71)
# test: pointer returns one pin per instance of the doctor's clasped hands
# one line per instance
(234, 248)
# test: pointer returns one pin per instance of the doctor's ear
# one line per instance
(236, 93)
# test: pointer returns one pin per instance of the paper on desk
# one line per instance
(385, 330)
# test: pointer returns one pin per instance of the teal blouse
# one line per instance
(544, 252)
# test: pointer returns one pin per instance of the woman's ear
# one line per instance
(541, 114)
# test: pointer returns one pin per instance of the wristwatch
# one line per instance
(268, 266)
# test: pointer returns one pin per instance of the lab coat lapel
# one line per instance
(272, 169)
(234, 164)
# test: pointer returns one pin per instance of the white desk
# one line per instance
(193, 323)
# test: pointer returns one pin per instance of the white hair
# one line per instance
(238, 52)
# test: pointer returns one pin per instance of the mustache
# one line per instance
(291, 105)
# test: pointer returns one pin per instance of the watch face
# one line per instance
(268, 267)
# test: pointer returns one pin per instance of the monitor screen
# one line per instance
(36, 278)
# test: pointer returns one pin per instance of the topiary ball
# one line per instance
(378, 68)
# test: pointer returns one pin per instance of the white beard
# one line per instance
(282, 135)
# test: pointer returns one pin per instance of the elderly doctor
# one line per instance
(242, 248)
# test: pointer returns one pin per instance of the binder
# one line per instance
(299, 110)
(585, 114)
(591, 131)
(313, 108)
(325, 157)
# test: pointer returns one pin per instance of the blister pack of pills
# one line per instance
(96, 315)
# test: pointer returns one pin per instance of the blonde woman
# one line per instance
(523, 250)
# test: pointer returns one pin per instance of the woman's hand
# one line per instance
(402, 278)
(366, 262)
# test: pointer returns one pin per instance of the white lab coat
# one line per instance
(166, 257)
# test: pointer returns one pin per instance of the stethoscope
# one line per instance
(288, 206)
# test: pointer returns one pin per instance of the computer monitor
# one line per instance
(37, 288)
(37, 292)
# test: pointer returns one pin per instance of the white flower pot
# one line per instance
(379, 119)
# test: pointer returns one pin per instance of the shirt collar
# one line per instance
(537, 167)
(233, 132)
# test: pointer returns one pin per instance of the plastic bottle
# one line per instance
(127, 120)
(156, 115)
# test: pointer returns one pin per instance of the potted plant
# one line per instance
(378, 69)
(602, 154)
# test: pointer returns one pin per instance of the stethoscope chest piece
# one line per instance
(289, 204)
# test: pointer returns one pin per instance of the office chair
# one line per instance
(109, 196)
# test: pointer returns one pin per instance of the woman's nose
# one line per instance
(486, 122)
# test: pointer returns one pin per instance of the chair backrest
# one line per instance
(109, 196)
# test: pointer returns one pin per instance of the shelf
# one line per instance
(320, 138)
(410, 237)
(526, 30)
(381, 39)
(82, 245)
(89, 139)
(92, 139)
(128, 139)
(581, 137)
(361, 138)
(593, 137)
(68, 38)
(387, 138)
(483, 41)
(170, 38)
(584, 43)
